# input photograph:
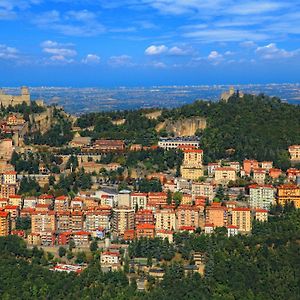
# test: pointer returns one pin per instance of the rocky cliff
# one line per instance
(184, 127)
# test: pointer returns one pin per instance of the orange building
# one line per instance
(217, 215)
(4, 223)
(249, 165)
(274, 173)
(241, 217)
(61, 203)
(43, 221)
(77, 219)
(188, 215)
(144, 216)
(145, 230)
(289, 193)
(156, 199)
(63, 221)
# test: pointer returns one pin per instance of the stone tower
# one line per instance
(25, 94)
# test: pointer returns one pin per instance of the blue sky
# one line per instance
(148, 42)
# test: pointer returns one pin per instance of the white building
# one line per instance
(138, 200)
(261, 196)
(173, 143)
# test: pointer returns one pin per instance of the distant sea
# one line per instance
(83, 100)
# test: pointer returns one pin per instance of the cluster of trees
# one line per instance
(72, 183)
(24, 109)
(58, 135)
(264, 265)
(152, 248)
(29, 186)
(137, 128)
(29, 162)
(157, 160)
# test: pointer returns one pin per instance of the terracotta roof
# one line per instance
(3, 214)
(145, 226)
(241, 209)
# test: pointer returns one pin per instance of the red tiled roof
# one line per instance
(241, 209)
(187, 228)
(81, 233)
(232, 227)
(11, 207)
(193, 151)
(15, 196)
(261, 210)
(3, 214)
(145, 226)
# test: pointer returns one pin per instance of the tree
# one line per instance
(169, 197)
(81, 257)
(177, 198)
(71, 244)
(62, 251)
(94, 246)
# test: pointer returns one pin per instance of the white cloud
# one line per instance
(255, 7)
(224, 35)
(248, 44)
(60, 53)
(271, 51)
(159, 65)
(91, 59)
(156, 50)
(121, 61)
(7, 52)
(213, 55)
(72, 23)
(178, 51)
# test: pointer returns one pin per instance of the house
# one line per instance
(259, 175)
(224, 174)
(109, 258)
(275, 173)
(165, 234)
(294, 151)
(261, 215)
(232, 230)
(249, 165)
(81, 238)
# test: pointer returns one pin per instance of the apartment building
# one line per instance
(43, 221)
(138, 200)
(288, 193)
(261, 196)
(4, 223)
(216, 215)
(204, 189)
(241, 217)
(166, 219)
(188, 216)
(122, 219)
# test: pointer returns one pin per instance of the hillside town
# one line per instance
(197, 198)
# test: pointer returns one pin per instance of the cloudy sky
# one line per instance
(148, 42)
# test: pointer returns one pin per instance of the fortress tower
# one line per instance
(25, 94)
(6, 100)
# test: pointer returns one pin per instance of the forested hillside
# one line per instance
(263, 266)
(257, 127)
